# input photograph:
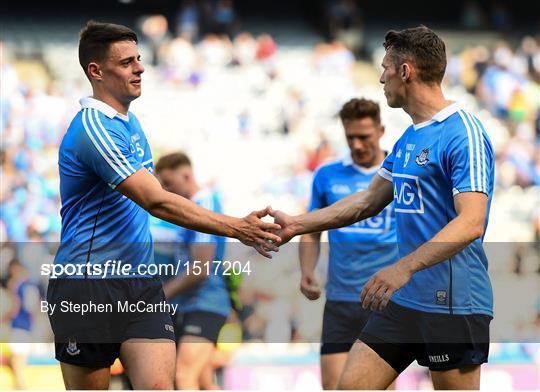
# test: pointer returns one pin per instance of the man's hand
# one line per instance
(310, 287)
(252, 231)
(382, 285)
(285, 221)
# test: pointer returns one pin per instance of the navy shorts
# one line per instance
(400, 335)
(93, 317)
(342, 322)
(199, 323)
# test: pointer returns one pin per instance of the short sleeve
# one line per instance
(106, 150)
(469, 158)
(388, 164)
(318, 199)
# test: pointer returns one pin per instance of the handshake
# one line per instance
(265, 237)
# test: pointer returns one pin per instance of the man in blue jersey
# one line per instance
(435, 304)
(107, 191)
(201, 290)
(356, 251)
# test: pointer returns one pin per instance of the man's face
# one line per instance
(176, 180)
(363, 137)
(121, 71)
(394, 87)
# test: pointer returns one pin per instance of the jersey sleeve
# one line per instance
(106, 150)
(388, 164)
(469, 158)
(318, 199)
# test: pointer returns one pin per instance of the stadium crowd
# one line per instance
(232, 99)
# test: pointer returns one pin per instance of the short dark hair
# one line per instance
(172, 161)
(96, 38)
(421, 46)
(358, 108)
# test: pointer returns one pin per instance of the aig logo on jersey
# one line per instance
(407, 194)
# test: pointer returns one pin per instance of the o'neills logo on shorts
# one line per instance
(439, 358)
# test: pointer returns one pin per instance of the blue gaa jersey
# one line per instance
(430, 164)
(100, 149)
(212, 294)
(360, 250)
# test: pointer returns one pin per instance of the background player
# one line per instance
(440, 175)
(107, 191)
(202, 298)
(356, 251)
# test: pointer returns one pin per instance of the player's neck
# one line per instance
(424, 103)
(120, 107)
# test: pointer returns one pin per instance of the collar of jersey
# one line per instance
(109, 111)
(439, 117)
(348, 161)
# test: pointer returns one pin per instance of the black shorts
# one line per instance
(199, 323)
(401, 335)
(116, 310)
(342, 322)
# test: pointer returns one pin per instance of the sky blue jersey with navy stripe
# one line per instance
(174, 244)
(430, 164)
(100, 149)
(356, 251)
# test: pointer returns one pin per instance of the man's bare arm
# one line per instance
(309, 251)
(199, 252)
(343, 213)
(145, 190)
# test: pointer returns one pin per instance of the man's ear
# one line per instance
(406, 72)
(94, 72)
(382, 129)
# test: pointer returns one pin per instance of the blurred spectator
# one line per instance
(345, 24)
(180, 61)
(500, 16)
(266, 47)
(321, 155)
(187, 20)
(224, 18)
(215, 50)
(154, 29)
(26, 295)
(244, 49)
(472, 15)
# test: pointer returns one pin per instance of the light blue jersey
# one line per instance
(100, 149)
(212, 294)
(359, 250)
(430, 164)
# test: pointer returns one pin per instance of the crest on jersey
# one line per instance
(441, 297)
(72, 347)
(422, 158)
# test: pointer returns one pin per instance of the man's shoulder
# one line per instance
(463, 126)
(329, 168)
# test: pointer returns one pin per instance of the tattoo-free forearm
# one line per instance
(309, 250)
(183, 212)
(452, 239)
